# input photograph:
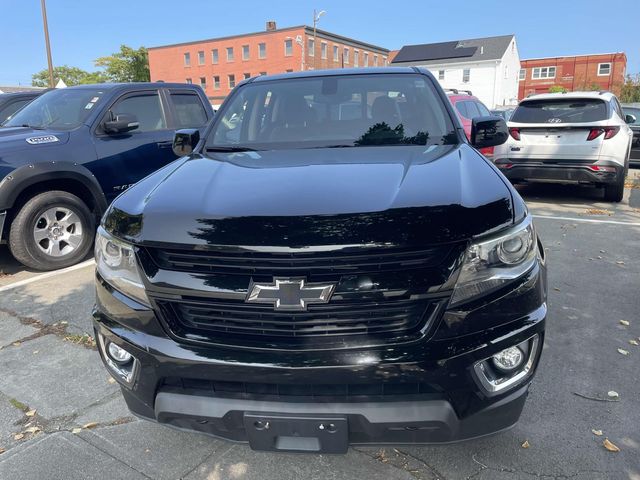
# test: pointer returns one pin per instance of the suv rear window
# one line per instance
(345, 110)
(570, 110)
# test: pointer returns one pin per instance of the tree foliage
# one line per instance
(127, 65)
(557, 89)
(69, 75)
(630, 92)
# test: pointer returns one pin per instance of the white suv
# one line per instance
(579, 137)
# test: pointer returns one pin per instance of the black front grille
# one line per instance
(238, 323)
(312, 263)
(354, 392)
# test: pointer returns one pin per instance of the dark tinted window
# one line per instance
(560, 111)
(461, 107)
(189, 110)
(633, 111)
(146, 108)
(348, 110)
(62, 109)
(11, 108)
(472, 110)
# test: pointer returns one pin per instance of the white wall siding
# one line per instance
(481, 81)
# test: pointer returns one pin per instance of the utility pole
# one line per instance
(46, 40)
(316, 19)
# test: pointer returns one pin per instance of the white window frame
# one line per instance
(231, 78)
(288, 47)
(262, 50)
(440, 74)
(356, 58)
(522, 74)
(216, 82)
(231, 55)
(466, 72)
(202, 84)
(375, 60)
(542, 73)
(336, 53)
(324, 50)
(215, 56)
(345, 55)
(311, 47)
(246, 49)
(201, 57)
(610, 67)
(186, 56)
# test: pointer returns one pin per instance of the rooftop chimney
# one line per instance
(271, 26)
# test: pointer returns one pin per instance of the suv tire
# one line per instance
(52, 230)
(614, 192)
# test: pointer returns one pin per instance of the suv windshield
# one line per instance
(334, 111)
(62, 109)
(570, 110)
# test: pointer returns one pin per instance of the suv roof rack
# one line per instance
(455, 91)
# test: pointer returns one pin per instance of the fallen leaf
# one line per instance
(622, 351)
(30, 413)
(634, 342)
(620, 262)
(597, 432)
(32, 430)
(2, 450)
(610, 446)
(18, 436)
(90, 425)
(612, 394)
(111, 380)
(624, 322)
(35, 352)
(16, 344)
(603, 251)
(556, 289)
(76, 430)
(525, 444)
(64, 322)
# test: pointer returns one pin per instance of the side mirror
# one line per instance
(123, 122)
(185, 141)
(488, 131)
(630, 118)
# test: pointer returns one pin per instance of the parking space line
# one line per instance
(46, 275)
(588, 220)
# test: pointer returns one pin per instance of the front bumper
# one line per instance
(215, 389)
(560, 172)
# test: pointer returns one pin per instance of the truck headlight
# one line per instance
(492, 263)
(117, 265)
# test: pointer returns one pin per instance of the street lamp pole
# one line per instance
(316, 19)
(46, 40)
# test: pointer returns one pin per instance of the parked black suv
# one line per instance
(68, 153)
(313, 275)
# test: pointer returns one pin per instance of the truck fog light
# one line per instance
(118, 354)
(508, 359)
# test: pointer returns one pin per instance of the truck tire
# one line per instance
(615, 191)
(52, 230)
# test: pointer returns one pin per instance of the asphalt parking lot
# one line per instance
(62, 418)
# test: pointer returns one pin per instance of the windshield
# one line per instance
(575, 110)
(62, 109)
(334, 111)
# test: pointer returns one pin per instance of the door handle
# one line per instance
(167, 144)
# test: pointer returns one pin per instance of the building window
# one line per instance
(245, 52)
(506, 71)
(466, 75)
(289, 70)
(523, 74)
(311, 47)
(544, 72)
(440, 74)
(288, 47)
(187, 59)
(323, 50)
(188, 80)
(365, 59)
(375, 60)
(247, 75)
(203, 83)
(263, 73)
(229, 54)
(201, 57)
(604, 69)
(214, 56)
(262, 50)
(385, 62)
(216, 82)
(356, 58)
(345, 55)
(232, 81)
(336, 53)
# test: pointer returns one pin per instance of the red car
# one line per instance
(468, 107)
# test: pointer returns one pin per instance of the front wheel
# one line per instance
(52, 230)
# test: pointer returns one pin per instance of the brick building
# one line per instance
(218, 64)
(581, 72)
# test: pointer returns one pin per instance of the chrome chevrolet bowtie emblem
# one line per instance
(292, 294)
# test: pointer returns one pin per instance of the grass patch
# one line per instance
(85, 340)
(18, 404)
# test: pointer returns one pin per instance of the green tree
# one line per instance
(127, 65)
(557, 89)
(630, 92)
(69, 75)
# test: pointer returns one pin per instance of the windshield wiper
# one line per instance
(230, 149)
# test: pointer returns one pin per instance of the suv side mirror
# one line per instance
(185, 141)
(123, 122)
(488, 131)
(630, 118)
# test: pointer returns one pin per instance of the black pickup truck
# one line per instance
(66, 155)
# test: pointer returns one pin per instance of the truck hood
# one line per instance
(13, 139)
(297, 198)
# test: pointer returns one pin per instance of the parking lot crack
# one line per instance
(402, 460)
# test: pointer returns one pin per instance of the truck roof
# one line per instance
(115, 86)
(339, 72)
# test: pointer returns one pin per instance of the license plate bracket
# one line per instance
(296, 433)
